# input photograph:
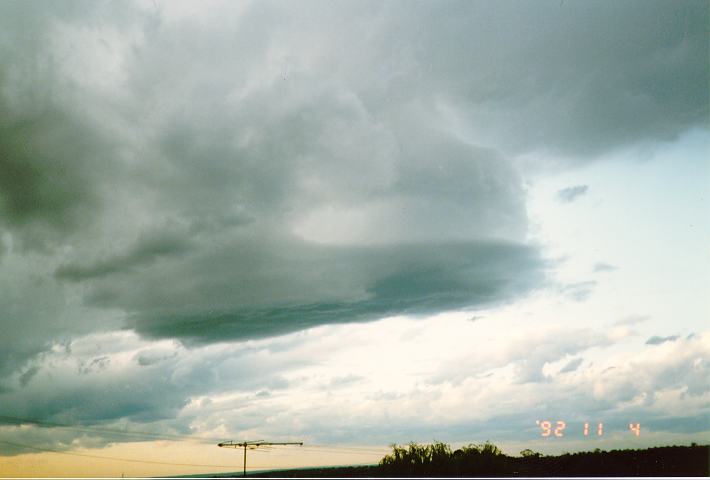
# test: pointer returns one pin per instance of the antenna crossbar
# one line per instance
(252, 444)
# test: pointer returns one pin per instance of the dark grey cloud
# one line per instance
(577, 79)
(46, 187)
(267, 167)
(389, 129)
(27, 376)
(407, 279)
(54, 156)
(656, 340)
(186, 220)
(145, 359)
(38, 311)
(143, 253)
(570, 194)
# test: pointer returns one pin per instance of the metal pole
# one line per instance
(245, 460)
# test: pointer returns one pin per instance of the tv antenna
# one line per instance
(252, 445)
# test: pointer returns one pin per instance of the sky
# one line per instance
(350, 224)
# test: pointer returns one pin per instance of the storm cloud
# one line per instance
(248, 170)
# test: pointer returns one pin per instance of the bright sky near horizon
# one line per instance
(350, 224)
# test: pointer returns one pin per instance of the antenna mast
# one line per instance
(252, 444)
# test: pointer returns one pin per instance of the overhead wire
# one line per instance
(354, 448)
(133, 460)
(121, 459)
(128, 434)
(339, 451)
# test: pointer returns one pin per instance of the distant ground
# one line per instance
(439, 460)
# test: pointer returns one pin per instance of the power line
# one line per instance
(341, 451)
(353, 449)
(328, 449)
(121, 459)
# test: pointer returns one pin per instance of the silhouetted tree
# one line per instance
(487, 459)
(527, 453)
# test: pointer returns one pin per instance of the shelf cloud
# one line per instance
(249, 170)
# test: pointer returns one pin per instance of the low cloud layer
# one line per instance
(280, 387)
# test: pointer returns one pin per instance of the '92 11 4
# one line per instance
(558, 428)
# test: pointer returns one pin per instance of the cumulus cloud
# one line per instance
(527, 354)
(281, 387)
(104, 378)
(674, 369)
(655, 389)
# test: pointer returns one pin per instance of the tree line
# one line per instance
(439, 459)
